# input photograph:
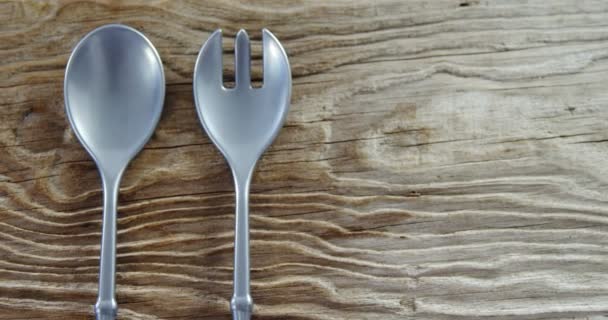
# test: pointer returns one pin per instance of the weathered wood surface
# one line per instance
(442, 160)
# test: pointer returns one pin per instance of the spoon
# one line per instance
(114, 91)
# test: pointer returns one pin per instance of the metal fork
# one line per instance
(242, 122)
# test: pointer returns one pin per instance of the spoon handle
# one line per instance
(241, 303)
(106, 307)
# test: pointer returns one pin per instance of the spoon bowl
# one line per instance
(114, 91)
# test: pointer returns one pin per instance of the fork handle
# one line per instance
(241, 308)
(241, 303)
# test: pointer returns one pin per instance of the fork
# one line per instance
(242, 122)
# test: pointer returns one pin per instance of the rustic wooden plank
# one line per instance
(441, 160)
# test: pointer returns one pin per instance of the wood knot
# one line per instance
(468, 3)
(413, 194)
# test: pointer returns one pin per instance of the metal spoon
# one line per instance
(114, 92)
(242, 122)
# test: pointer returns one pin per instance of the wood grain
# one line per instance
(441, 160)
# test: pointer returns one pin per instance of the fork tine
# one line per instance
(277, 73)
(242, 59)
(208, 69)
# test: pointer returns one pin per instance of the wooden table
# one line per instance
(441, 160)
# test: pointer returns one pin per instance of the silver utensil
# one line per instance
(242, 122)
(114, 92)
